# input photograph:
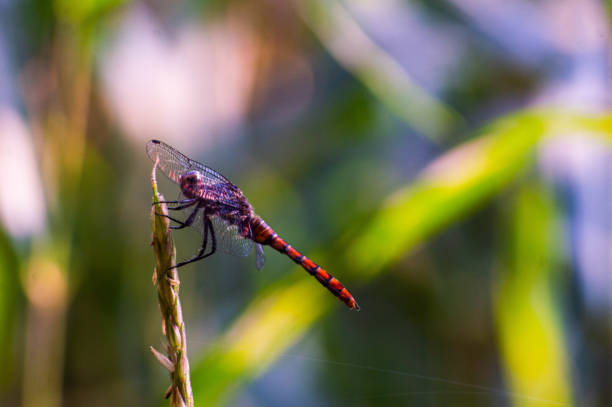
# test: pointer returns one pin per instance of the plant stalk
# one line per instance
(166, 278)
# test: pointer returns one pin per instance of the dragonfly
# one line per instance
(226, 220)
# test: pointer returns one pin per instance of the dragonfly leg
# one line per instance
(188, 221)
(186, 205)
(212, 235)
(208, 229)
(174, 202)
(169, 217)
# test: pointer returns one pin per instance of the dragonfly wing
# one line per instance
(227, 236)
(225, 193)
(173, 163)
(260, 259)
(229, 239)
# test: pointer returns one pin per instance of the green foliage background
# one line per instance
(431, 209)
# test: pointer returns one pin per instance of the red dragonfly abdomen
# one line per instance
(263, 234)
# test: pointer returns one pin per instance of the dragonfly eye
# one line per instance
(190, 179)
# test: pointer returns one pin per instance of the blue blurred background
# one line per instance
(449, 161)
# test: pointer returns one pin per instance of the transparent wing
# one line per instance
(229, 239)
(260, 259)
(173, 163)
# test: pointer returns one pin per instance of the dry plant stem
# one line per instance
(173, 327)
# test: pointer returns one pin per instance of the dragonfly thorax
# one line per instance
(191, 182)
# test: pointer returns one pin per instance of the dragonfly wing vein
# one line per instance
(229, 239)
(173, 163)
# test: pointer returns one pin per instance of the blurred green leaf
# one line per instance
(9, 288)
(451, 187)
(376, 69)
(78, 12)
(530, 335)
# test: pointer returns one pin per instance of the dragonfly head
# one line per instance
(191, 182)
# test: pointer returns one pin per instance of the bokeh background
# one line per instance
(448, 160)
